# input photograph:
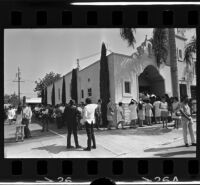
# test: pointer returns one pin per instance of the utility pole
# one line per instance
(18, 81)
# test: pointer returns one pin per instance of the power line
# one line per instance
(18, 81)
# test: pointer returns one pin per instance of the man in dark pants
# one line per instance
(26, 116)
(89, 117)
(70, 114)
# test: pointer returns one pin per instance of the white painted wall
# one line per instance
(129, 68)
(68, 78)
(49, 90)
(58, 85)
(121, 68)
(166, 74)
(91, 72)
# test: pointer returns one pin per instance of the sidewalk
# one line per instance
(149, 141)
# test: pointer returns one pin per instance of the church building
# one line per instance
(130, 75)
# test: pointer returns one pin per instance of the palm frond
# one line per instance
(189, 50)
(160, 45)
(128, 35)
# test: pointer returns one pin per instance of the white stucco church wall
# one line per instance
(126, 71)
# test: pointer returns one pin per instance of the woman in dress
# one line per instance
(164, 111)
(133, 113)
(110, 114)
(141, 113)
(120, 115)
(18, 121)
(148, 112)
(176, 115)
(156, 106)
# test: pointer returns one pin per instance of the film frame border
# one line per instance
(60, 15)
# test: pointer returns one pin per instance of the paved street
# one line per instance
(137, 143)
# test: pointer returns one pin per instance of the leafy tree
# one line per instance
(74, 93)
(160, 45)
(48, 79)
(53, 95)
(63, 91)
(104, 83)
(11, 99)
(6, 98)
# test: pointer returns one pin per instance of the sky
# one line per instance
(39, 51)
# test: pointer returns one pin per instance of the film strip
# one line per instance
(48, 15)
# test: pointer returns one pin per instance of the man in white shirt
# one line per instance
(89, 119)
(26, 117)
(11, 114)
(31, 113)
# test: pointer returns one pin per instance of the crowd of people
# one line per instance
(22, 114)
(148, 110)
(154, 110)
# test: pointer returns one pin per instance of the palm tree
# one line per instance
(128, 35)
(163, 41)
(159, 42)
(160, 45)
(189, 50)
(173, 62)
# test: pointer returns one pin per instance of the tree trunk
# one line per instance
(173, 63)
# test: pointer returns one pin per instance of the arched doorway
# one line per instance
(151, 81)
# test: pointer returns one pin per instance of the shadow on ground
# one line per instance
(181, 151)
(137, 131)
(163, 148)
(174, 154)
(36, 134)
(55, 149)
